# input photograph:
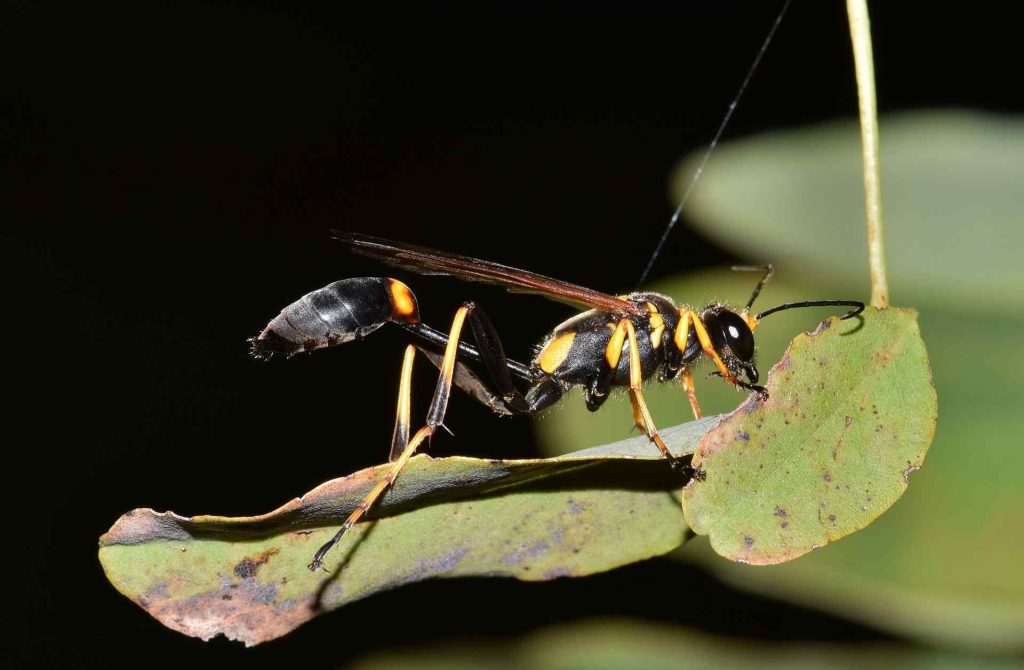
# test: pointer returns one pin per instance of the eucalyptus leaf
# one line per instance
(944, 565)
(850, 416)
(246, 578)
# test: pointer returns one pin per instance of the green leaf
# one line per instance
(944, 565)
(246, 578)
(850, 416)
(951, 188)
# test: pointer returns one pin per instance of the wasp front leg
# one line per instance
(691, 319)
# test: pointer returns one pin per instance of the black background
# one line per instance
(169, 174)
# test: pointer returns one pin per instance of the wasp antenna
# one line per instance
(859, 307)
(768, 269)
(714, 142)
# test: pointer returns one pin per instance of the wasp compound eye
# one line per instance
(737, 335)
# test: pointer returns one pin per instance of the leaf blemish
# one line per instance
(248, 567)
(555, 573)
(747, 540)
(533, 551)
(827, 477)
(447, 562)
(436, 565)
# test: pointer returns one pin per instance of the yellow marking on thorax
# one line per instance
(555, 352)
(657, 330)
(403, 300)
(682, 333)
(657, 325)
(613, 352)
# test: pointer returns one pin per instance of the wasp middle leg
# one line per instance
(642, 415)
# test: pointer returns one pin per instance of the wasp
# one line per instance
(617, 342)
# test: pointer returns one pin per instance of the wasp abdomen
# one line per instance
(340, 312)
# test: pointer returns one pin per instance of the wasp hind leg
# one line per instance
(401, 450)
(496, 388)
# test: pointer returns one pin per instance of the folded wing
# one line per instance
(431, 262)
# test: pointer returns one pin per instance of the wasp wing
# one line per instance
(430, 262)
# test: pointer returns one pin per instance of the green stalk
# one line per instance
(860, 35)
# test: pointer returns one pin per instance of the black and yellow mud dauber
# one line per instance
(620, 341)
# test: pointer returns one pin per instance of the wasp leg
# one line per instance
(761, 391)
(691, 320)
(641, 414)
(435, 417)
(401, 450)
(443, 390)
(400, 435)
(498, 391)
(466, 351)
(496, 362)
(691, 393)
(470, 383)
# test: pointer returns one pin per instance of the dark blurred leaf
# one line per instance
(952, 201)
(618, 644)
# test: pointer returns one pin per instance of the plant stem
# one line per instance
(860, 35)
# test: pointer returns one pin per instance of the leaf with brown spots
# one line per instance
(850, 415)
(246, 578)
